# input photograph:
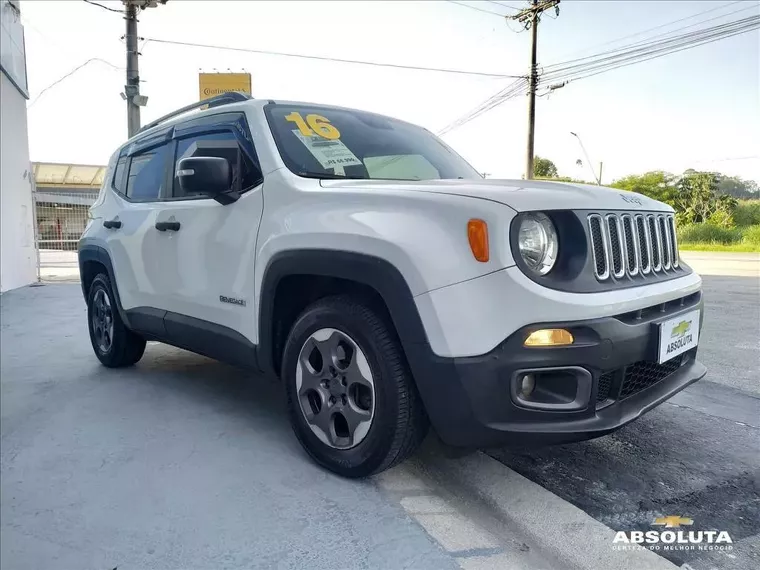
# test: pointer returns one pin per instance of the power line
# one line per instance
(72, 72)
(480, 9)
(656, 49)
(649, 39)
(104, 7)
(334, 59)
(512, 90)
(504, 5)
(658, 27)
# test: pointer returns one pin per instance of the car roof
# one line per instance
(243, 105)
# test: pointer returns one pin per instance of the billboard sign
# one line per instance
(213, 84)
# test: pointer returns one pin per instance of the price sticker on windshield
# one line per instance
(329, 153)
(314, 124)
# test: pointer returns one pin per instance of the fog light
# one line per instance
(549, 337)
(527, 385)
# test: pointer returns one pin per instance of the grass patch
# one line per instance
(708, 237)
(712, 246)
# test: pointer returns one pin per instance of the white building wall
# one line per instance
(18, 259)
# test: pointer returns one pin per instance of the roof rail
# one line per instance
(218, 101)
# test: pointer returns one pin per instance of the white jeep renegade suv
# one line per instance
(387, 284)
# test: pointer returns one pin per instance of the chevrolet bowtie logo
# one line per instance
(672, 521)
(681, 329)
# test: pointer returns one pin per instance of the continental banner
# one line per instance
(213, 84)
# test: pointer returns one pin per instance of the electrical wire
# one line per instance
(104, 7)
(504, 5)
(70, 73)
(655, 49)
(622, 58)
(512, 90)
(334, 59)
(478, 9)
(657, 27)
(649, 39)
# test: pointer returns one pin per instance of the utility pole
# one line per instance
(132, 88)
(530, 17)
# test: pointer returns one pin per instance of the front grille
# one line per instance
(633, 244)
(643, 374)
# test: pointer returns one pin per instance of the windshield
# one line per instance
(324, 142)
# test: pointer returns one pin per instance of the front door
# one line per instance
(133, 207)
(207, 250)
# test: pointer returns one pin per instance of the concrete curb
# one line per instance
(562, 530)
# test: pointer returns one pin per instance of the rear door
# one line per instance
(141, 176)
(207, 259)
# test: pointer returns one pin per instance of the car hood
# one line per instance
(521, 195)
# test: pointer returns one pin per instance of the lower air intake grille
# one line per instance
(642, 375)
(605, 382)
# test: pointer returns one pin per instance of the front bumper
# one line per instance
(472, 401)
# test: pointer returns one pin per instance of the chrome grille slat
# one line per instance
(617, 247)
(632, 244)
(645, 245)
(664, 241)
(673, 240)
(654, 233)
(599, 247)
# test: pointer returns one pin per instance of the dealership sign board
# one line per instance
(213, 84)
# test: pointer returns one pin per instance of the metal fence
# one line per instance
(60, 219)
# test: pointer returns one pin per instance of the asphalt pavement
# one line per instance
(697, 455)
(177, 463)
(184, 462)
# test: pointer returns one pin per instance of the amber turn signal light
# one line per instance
(549, 337)
(477, 234)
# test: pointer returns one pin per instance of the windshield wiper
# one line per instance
(329, 176)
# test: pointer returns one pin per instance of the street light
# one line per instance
(590, 164)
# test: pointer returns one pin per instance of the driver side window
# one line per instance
(223, 145)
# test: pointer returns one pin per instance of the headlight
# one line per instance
(538, 243)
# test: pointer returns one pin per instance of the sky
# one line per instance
(699, 108)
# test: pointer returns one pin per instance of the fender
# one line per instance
(368, 270)
(430, 372)
(92, 252)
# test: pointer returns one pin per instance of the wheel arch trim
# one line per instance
(368, 270)
(93, 252)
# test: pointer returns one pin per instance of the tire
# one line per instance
(121, 347)
(397, 419)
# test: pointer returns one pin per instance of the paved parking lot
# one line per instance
(183, 462)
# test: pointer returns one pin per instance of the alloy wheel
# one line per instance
(102, 321)
(336, 390)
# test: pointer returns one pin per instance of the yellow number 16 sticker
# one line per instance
(313, 124)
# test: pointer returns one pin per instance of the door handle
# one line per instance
(163, 226)
(112, 224)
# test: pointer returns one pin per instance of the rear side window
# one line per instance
(119, 180)
(147, 173)
(224, 145)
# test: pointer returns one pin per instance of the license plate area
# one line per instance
(678, 335)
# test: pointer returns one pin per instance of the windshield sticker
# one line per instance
(329, 153)
(314, 124)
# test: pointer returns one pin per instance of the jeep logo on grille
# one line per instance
(632, 199)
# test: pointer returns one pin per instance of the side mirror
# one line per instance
(210, 175)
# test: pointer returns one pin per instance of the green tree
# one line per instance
(698, 200)
(544, 168)
(736, 187)
(658, 185)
